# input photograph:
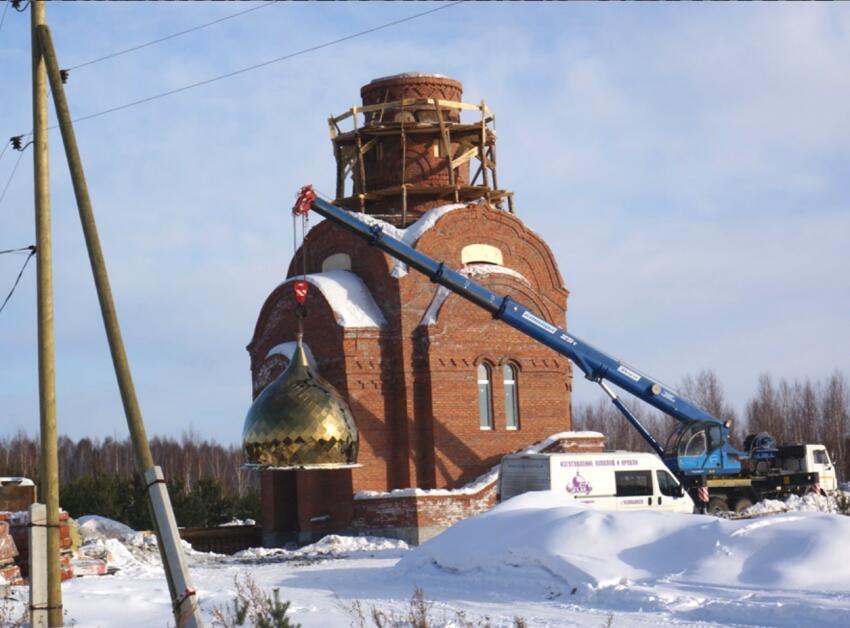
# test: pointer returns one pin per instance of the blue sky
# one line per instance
(687, 164)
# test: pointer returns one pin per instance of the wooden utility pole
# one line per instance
(184, 601)
(46, 342)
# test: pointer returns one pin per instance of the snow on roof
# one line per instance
(412, 233)
(470, 270)
(408, 75)
(286, 349)
(349, 298)
(16, 481)
(554, 438)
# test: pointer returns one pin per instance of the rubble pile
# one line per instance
(9, 571)
(18, 530)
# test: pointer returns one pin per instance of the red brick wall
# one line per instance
(420, 511)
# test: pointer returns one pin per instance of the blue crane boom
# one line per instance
(699, 447)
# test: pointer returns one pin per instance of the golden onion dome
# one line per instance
(299, 421)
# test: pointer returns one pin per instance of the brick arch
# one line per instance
(507, 359)
(277, 323)
(523, 250)
(484, 358)
(326, 239)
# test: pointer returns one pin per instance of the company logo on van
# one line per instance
(605, 462)
(579, 486)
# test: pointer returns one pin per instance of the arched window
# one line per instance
(509, 374)
(337, 261)
(485, 396)
(481, 254)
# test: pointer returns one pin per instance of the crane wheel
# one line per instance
(717, 505)
(741, 504)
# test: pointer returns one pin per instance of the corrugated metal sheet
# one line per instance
(523, 474)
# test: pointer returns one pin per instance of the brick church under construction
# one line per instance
(439, 390)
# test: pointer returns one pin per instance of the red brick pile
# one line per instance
(17, 526)
(9, 571)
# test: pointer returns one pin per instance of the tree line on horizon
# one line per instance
(205, 479)
(792, 411)
(189, 460)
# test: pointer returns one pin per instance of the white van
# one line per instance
(616, 480)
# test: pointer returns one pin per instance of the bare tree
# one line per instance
(835, 420)
(704, 389)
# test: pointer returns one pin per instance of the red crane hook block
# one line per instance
(305, 199)
(300, 289)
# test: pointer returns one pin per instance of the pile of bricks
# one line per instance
(9, 571)
(20, 533)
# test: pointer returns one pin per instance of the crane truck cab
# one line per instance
(809, 458)
(615, 480)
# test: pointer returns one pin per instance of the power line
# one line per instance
(3, 17)
(18, 279)
(20, 250)
(269, 62)
(118, 53)
(11, 176)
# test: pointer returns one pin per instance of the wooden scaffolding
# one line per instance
(474, 143)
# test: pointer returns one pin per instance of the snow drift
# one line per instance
(805, 551)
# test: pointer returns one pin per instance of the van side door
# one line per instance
(671, 496)
(634, 489)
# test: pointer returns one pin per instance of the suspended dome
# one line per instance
(299, 421)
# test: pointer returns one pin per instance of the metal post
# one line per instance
(186, 610)
(38, 562)
(49, 472)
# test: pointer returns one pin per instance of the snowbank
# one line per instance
(805, 551)
(97, 527)
(330, 546)
(810, 502)
(122, 547)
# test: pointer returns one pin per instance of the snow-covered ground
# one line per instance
(531, 557)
